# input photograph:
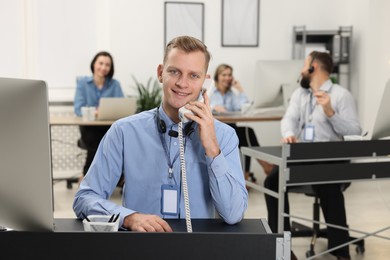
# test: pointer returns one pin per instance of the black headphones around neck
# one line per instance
(311, 67)
(162, 127)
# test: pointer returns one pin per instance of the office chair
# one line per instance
(300, 230)
(70, 181)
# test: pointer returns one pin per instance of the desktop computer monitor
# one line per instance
(271, 76)
(26, 197)
(381, 127)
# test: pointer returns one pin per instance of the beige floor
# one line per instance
(368, 209)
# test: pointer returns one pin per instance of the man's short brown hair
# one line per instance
(324, 60)
(187, 44)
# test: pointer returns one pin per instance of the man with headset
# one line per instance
(319, 111)
(145, 148)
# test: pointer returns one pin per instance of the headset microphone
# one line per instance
(188, 130)
(162, 128)
(173, 133)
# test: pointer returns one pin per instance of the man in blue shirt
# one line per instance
(145, 148)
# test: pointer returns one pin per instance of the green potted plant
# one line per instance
(149, 96)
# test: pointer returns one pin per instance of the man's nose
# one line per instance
(182, 81)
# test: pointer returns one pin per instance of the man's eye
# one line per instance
(173, 72)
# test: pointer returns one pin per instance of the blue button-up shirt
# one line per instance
(133, 146)
(303, 106)
(230, 100)
(87, 94)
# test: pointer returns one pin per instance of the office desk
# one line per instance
(238, 118)
(211, 239)
(75, 120)
(228, 118)
(351, 161)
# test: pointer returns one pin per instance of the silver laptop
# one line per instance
(116, 108)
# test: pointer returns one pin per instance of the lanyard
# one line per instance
(167, 156)
(311, 107)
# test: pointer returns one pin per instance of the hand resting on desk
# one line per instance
(146, 223)
(289, 139)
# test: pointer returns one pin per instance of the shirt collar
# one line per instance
(163, 116)
(90, 79)
(326, 86)
(106, 82)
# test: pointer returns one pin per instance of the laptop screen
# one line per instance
(26, 197)
(113, 108)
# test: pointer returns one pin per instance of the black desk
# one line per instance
(211, 239)
(308, 163)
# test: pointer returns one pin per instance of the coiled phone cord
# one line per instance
(184, 179)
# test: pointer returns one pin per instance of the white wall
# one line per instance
(133, 31)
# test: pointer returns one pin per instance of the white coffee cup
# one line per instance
(88, 113)
(91, 113)
(85, 113)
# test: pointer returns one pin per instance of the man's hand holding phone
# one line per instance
(203, 116)
(200, 112)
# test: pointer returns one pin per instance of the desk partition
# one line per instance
(211, 239)
(321, 163)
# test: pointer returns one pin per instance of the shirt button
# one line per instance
(175, 143)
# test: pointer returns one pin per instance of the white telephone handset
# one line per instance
(182, 111)
(184, 119)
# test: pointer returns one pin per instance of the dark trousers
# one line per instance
(246, 137)
(91, 137)
(332, 204)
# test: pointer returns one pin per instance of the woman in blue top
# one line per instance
(88, 93)
(224, 99)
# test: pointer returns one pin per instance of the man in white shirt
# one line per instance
(319, 111)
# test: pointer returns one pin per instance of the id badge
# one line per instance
(169, 199)
(309, 133)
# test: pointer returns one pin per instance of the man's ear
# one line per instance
(159, 72)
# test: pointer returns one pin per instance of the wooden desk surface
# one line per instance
(248, 118)
(230, 118)
(75, 120)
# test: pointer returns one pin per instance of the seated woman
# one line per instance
(88, 93)
(224, 99)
